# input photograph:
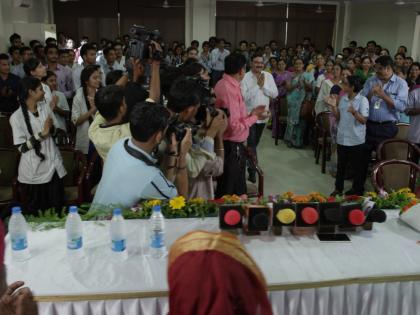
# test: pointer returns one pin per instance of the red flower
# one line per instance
(219, 201)
(331, 199)
(352, 198)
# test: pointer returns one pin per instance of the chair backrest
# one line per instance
(283, 107)
(74, 161)
(323, 122)
(6, 135)
(402, 131)
(395, 174)
(9, 162)
(398, 149)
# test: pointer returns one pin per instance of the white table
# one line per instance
(377, 273)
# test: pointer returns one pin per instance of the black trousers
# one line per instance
(375, 134)
(255, 133)
(232, 181)
(350, 156)
(42, 196)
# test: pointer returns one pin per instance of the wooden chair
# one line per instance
(254, 190)
(402, 131)
(75, 164)
(281, 111)
(9, 162)
(397, 149)
(93, 176)
(324, 139)
(6, 135)
(395, 174)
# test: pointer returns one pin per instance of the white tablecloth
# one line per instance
(378, 272)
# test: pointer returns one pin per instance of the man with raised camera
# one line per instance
(131, 172)
(205, 158)
(229, 96)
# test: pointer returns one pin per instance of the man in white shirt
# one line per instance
(217, 58)
(130, 172)
(109, 63)
(88, 54)
(258, 87)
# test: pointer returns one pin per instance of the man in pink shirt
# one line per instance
(228, 96)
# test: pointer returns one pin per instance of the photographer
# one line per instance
(114, 103)
(205, 158)
(130, 172)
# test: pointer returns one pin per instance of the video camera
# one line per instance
(140, 42)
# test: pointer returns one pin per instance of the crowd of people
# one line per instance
(182, 121)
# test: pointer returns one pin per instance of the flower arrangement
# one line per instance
(403, 199)
(311, 197)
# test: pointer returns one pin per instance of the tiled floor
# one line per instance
(287, 169)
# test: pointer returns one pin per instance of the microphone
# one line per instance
(376, 215)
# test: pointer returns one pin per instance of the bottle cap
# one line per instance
(73, 209)
(16, 210)
(156, 208)
(117, 211)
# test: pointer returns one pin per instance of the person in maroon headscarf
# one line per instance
(12, 300)
(212, 274)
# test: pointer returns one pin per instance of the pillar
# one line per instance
(200, 20)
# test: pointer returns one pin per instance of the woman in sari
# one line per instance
(212, 274)
(281, 76)
(296, 95)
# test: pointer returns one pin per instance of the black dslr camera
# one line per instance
(140, 42)
(179, 129)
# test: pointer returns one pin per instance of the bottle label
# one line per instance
(20, 243)
(157, 239)
(118, 246)
(74, 243)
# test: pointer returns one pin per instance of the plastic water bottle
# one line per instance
(157, 233)
(74, 231)
(18, 230)
(118, 237)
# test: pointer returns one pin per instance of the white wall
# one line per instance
(200, 20)
(39, 12)
(389, 25)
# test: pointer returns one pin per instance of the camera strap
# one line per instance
(138, 155)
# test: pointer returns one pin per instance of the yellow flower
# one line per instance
(152, 203)
(197, 200)
(371, 194)
(231, 199)
(410, 195)
(404, 190)
(177, 203)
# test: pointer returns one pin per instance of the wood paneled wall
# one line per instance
(237, 21)
(98, 18)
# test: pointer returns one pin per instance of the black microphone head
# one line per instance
(376, 215)
(333, 215)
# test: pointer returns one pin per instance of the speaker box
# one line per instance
(330, 215)
(284, 214)
(353, 217)
(257, 219)
(231, 217)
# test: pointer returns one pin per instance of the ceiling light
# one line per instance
(259, 3)
(399, 2)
